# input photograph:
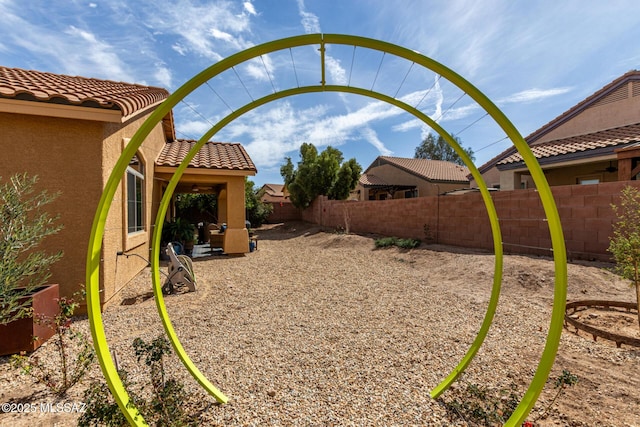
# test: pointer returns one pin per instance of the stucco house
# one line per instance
(597, 140)
(70, 131)
(277, 196)
(398, 178)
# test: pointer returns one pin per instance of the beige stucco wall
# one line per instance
(65, 156)
(491, 178)
(566, 175)
(392, 174)
(76, 157)
(118, 270)
(619, 108)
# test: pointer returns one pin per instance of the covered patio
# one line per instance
(218, 168)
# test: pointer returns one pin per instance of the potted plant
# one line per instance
(179, 230)
(24, 270)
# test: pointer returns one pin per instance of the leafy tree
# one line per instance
(23, 226)
(325, 174)
(625, 243)
(205, 204)
(433, 148)
(257, 212)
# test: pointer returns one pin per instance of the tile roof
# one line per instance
(213, 155)
(368, 179)
(507, 156)
(433, 170)
(274, 189)
(32, 85)
(633, 75)
(580, 143)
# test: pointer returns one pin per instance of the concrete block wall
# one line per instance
(585, 213)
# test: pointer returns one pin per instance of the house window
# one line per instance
(410, 194)
(135, 195)
(588, 181)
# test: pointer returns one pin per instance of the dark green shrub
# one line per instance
(386, 242)
(165, 406)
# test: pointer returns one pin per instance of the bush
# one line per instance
(166, 405)
(60, 372)
(625, 243)
(23, 226)
(386, 242)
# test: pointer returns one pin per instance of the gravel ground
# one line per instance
(317, 329)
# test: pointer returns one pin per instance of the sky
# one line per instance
(533, 59)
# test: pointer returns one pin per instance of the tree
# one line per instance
(257, 211)
(23, 226)
(625, 243)
(433, 148)
(323, 174)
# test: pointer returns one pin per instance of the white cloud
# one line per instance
(163, 75)
(192, 129)
(310, 22)
(531, 95)
(372, 138)
(180, 49)
(261, 68)
(100, 55)
(210, 30)
(248, 6)
(221, 35)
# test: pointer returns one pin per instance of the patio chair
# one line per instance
(180, 273)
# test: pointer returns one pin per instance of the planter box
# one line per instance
(18, 336)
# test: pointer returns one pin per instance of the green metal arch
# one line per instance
(113, 182)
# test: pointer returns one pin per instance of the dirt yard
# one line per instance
(321, 328)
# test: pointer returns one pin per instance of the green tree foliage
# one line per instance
(206, 204)
(257, 212)
(325, 174)
(23, 226)
(433, 148)
(625, 243)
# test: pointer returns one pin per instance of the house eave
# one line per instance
(47, 109)
(570, 159)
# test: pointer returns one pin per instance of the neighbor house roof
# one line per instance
(602, 142)
(586, 144)
(371, 180)
(212, 155)
(432, 170)
(601, 96)
(19, 84)
(273, 189)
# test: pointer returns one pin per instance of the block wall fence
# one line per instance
(462, 220)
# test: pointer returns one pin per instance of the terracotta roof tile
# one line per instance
(435, 170)
(274, 189)
(89, 92)
(213, 155)
(591, 141)
(368, 179)
(633, 75)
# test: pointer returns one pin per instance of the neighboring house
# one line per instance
(70, 131)
(597, 140)
(399, 178)
(277, 196)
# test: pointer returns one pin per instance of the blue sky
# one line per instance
(534, 59)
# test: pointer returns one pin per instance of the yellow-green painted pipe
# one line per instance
(98, 226)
